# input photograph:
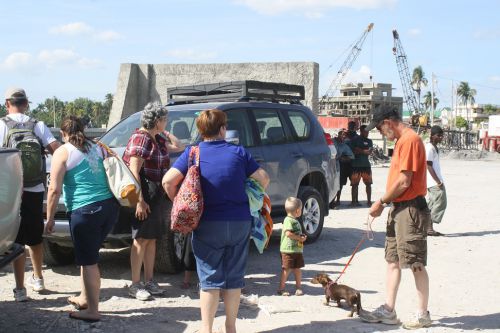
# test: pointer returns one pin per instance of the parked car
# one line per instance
(11, 178)
(282, 135)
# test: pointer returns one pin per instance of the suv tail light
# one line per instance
(328, 138)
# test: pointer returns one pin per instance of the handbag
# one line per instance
(121, 181)
(188, 203)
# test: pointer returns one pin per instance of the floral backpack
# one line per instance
(188, 203)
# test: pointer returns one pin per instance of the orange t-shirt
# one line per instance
(409, 155)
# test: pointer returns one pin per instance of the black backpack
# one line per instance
(22, 136)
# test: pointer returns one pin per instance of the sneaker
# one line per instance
(299, 292)
(20, 295)
(138, 291)
(153, 288)
(423, 320)
(283, 293)
(36, 283)
(380, 315)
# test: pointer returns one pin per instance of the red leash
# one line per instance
(367, 235)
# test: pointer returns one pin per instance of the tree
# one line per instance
(466, 95)
(491, 109)
(460, 122)
(3, 110)
(418, 80)
(428, 100)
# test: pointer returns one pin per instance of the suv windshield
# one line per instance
(181, 123)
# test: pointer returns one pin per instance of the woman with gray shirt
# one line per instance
(147, 155)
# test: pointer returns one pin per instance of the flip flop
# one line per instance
(77, 305)
(73, 315)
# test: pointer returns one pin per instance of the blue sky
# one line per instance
(74, 48)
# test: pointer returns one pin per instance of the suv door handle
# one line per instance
(297, 154)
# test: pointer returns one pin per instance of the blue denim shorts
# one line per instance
(89, 226)
(221, 252)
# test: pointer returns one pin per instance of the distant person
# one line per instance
(35, 137)
(352, 133)
(77, 170)
(220, 243)
(343, 160)
(148, 156)
(361, 167)
(292, 246)
(408, 218)
(436, 191)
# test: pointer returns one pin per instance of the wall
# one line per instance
(139, 84)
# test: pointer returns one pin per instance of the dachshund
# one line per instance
(336, 292)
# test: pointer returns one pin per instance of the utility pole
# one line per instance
(54, 109)
(453, 113)
(432, 99)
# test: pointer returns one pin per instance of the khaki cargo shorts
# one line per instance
(406, 235)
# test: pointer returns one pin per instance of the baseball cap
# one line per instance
(15, 93)
(382, 113)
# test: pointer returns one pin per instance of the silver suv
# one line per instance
(282, 135)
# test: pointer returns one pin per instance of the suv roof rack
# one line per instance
(241, 91)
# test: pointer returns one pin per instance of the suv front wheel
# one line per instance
(313, 212)
(55, 254)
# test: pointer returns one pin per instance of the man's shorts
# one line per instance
(406, 236)
(292, 260)
(31, 226)
(345, 172)
(361, 173)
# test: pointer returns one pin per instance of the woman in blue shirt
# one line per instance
(77, 171)
(220, 243)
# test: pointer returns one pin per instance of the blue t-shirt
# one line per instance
(224, 167)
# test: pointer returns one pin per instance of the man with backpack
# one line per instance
(30, 137)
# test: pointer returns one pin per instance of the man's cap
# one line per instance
(385, 112)
(14, 93)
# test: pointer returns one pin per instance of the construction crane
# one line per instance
(404, 74)
(355, 50)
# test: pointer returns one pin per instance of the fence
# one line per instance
(459, 140)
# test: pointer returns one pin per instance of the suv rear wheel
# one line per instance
(169, 249)
(55, 254)
(313, 212)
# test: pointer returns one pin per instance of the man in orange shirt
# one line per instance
(408, 218)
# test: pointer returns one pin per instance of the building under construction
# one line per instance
(360, 99)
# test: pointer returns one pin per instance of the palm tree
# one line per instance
(466, 95)
(418, 80)
(428, 100)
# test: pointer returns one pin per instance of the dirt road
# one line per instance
(464, 268)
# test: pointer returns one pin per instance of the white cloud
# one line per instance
(82, 29)
(487, 34)
(273, 7)
(72, 29)
(494, 78)
(414, 32)
(108, 36)
(191, 54)
(46, 59)
(17, 61)
(360, 76)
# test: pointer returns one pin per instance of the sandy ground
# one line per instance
(464, 268)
